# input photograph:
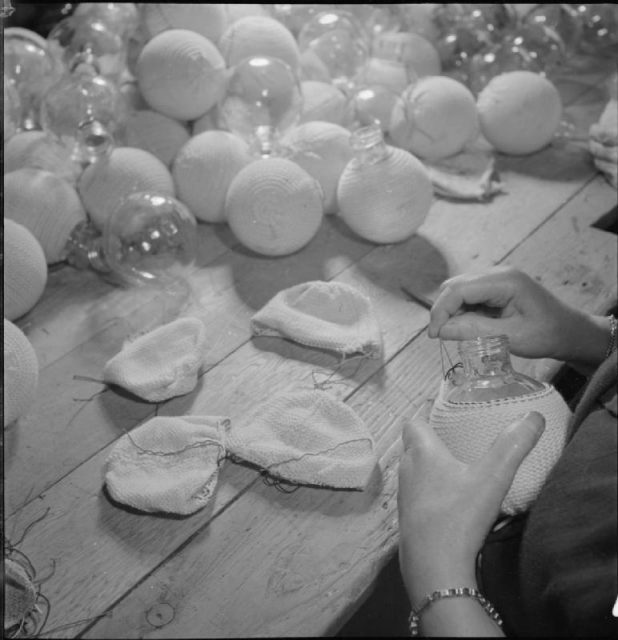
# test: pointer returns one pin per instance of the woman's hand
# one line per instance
(447, 508)
(503, 300)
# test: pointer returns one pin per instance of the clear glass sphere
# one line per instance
(262, 100)
(371, 105)
(12, 109)
(375, 19)
(559, 18)
(599, 23)
(80, 33)
(334, 47)
(84, 111)
(150, 238)
(32, 69)
(295, 16)
(122, 17)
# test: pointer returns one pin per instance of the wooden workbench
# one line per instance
(256, 561)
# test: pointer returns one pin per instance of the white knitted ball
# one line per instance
(180, 74)
(203, 170)
(470, 428)
(45, 204)
(25, 270)
(207, 19)
(126, 170)
(21, 373)
(258, 36)
(160, 135)
(519, 112)
(435, 119)
(323, 150)
(386, 201)
(322, 101)
(274, 207)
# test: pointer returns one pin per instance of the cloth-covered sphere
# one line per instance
(25, 270)
(435, 119)
(519, 112)
(209, 19)
(126, 170)
(274, 207)
(45, 204)
(160, 135)
(21, 373)
(323, 150)
(322, 101)
(203, 170)
(258, 36)
(180, 74)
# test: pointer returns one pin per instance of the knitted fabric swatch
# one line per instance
(307, 437)
(326, 315)
(470, 428)
(167, 464)
(160, 364)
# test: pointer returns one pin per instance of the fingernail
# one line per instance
(536, 419)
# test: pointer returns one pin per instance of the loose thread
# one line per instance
(27, 530)
(195, 445)
(71, 624)
(323, 385)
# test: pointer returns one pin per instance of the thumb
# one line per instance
(509, 450)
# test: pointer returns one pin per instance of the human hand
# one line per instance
(505, 301)
(446, 508)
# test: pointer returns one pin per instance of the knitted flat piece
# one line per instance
(167, 464)
(306, 437)
(470, 428)
(162, 363)
(326, 315)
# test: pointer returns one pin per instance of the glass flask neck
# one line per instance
(84, 248)
(368, 144)
(265, 141)
(487, 356)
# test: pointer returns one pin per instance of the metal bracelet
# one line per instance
(458, 592)
(613, 329)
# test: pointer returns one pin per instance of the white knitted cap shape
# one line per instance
(326, 315)
(160, 364)
(306, 437)
(470, 428)
(167, 464)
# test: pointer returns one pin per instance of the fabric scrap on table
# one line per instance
(306, 437)
(468, 175)
(162, 363)
(325, 315)
(167, 464)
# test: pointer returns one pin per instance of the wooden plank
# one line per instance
(265, 565)
(130, 546)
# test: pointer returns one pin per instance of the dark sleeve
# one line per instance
(568, 567)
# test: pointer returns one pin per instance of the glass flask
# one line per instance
(487, 373)
(149, 239)
(90, 33)
(84, 111)
(561, 19)
(295, 16)
(32, 69)
(122, 17)
(373, 104)
(384, 193)
(12, 109)
(334, 47)
(599, 27)
(262, 100)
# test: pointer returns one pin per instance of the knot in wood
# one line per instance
(160, 614)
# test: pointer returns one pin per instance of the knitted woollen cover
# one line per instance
(168, 464)
(25, 270)
(160, 364)
(21, 373)
(470, 428)
(306, 437)
(326, 315)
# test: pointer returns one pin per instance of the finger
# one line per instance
(509, 450)
(471, 325)
(489, 291)
(419, 438)
(418, 422)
